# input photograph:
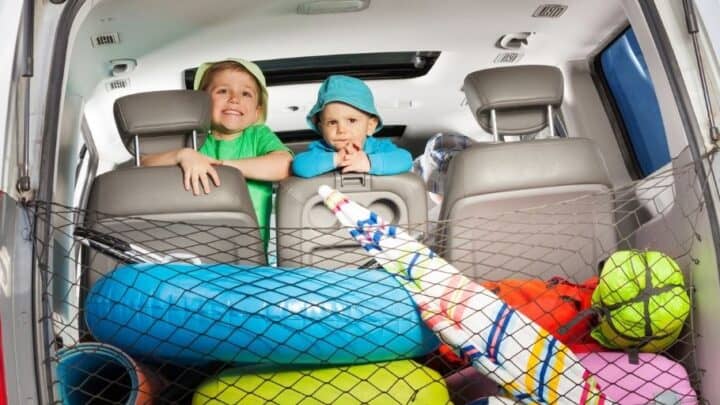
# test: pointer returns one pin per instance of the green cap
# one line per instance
(250, 67)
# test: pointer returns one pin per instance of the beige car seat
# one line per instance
(149, 207)
(537, 208)
(309, 234)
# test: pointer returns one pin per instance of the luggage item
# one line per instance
(396, 382)
(642, 300)
(467, 385)
(95, 372)
(551, 304)
(652, 379)
(195, 314)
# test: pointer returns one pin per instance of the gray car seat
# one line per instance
(538, 208)
(308, 233)
(149, 207)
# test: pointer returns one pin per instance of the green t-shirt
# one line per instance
(254, 141)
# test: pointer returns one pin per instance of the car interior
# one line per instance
(577, 152)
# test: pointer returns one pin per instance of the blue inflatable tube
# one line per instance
(190, 314)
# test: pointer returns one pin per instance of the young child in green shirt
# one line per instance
(238, 137)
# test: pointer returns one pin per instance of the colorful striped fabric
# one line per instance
(498, 341)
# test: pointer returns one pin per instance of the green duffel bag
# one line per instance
(642, 301)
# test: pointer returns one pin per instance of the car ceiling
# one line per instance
(168, 36)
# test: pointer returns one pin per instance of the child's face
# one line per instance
(342, 125)
(235, 101)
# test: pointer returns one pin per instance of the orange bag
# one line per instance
(551, 304)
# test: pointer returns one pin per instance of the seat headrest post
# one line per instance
(137, 150)
(493, 124)
(194, 139)
(551, 124)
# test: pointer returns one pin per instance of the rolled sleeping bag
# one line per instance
(396, 382)
(194, 314)
(95, 372)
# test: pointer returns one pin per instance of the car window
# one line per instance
(626, 75)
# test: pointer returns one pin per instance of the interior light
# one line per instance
(332, 6)
(120, 67)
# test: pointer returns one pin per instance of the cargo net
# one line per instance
(146, 311)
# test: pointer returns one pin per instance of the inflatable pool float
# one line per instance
(497, 340)
(194, 314)
(396, 382)
(94, 372)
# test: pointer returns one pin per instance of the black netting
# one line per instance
(141, 310)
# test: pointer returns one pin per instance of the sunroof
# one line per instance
(314, 69)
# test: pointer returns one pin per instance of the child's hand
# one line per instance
(354, 159)
(197, 170)
(339, 157)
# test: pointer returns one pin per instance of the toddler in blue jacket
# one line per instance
(346, 117)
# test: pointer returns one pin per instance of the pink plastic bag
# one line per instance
(653, 378)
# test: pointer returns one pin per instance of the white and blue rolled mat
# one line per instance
(499, 342)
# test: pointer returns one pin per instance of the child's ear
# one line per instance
(372, 124)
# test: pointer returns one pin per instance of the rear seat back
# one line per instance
(525, 209)
(310, 235)
(218, 227)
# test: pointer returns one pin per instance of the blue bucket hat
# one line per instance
(344, 89)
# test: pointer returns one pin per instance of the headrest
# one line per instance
(486, 168)
(160, 114)
(519, 94)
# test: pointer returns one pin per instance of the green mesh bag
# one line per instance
(642, 300)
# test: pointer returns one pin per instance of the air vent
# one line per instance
(550, 10)
(508, 57)
(117, 84)
(106, 39)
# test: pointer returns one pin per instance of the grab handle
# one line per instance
(352, 181)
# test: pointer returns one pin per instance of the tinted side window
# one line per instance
(626, 75)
